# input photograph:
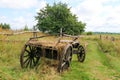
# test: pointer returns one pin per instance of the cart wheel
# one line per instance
(81, 53)
(65, 59)
(30, 56)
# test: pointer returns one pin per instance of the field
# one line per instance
(102, 60)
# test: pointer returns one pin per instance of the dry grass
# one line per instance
(110, 46)
(95, 67)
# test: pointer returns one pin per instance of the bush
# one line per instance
(89, 33)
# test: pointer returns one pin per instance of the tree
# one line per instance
(51, 18)
(26, 28)
(5, 26)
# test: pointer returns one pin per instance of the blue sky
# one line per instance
(99, 15)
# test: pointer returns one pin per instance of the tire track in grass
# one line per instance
(96, 66)
(83, 71)
(97, 62)
(105, 69)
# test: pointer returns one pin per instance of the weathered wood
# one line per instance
(46, 44)
(12, 40)
(17, 33)
(59, 50)
(37, 37)
(70, 36)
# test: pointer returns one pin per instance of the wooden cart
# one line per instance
(61, 50)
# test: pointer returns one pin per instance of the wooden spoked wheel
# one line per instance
(81, 53)
(30, 56)
(65, 59)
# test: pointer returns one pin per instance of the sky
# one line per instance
(99, 15)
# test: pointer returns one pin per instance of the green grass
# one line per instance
(97, 66)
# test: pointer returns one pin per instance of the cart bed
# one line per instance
(47, 44)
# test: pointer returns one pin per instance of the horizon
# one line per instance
(100, 15)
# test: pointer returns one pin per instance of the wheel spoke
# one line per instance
(26, 55)
(34, 61)
(30, 48)
(29, 56)
(63, 64)
(30, 63)
(33, 48)
(26, 60)
(27, 63)
(81, 53)
(27, 51)
(69, 58)
(66, 59)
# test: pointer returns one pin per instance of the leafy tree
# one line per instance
(51, 18)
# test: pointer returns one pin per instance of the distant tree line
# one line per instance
(4, 26)
(106, 33)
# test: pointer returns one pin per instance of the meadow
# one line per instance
(102, 60)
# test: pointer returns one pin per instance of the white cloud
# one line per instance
(70, 1)
(98, 16)
(21, 21)
(21, 4)
(18, 21)
(2, 19)
(41, 5)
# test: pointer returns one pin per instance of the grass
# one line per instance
(97, 66)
